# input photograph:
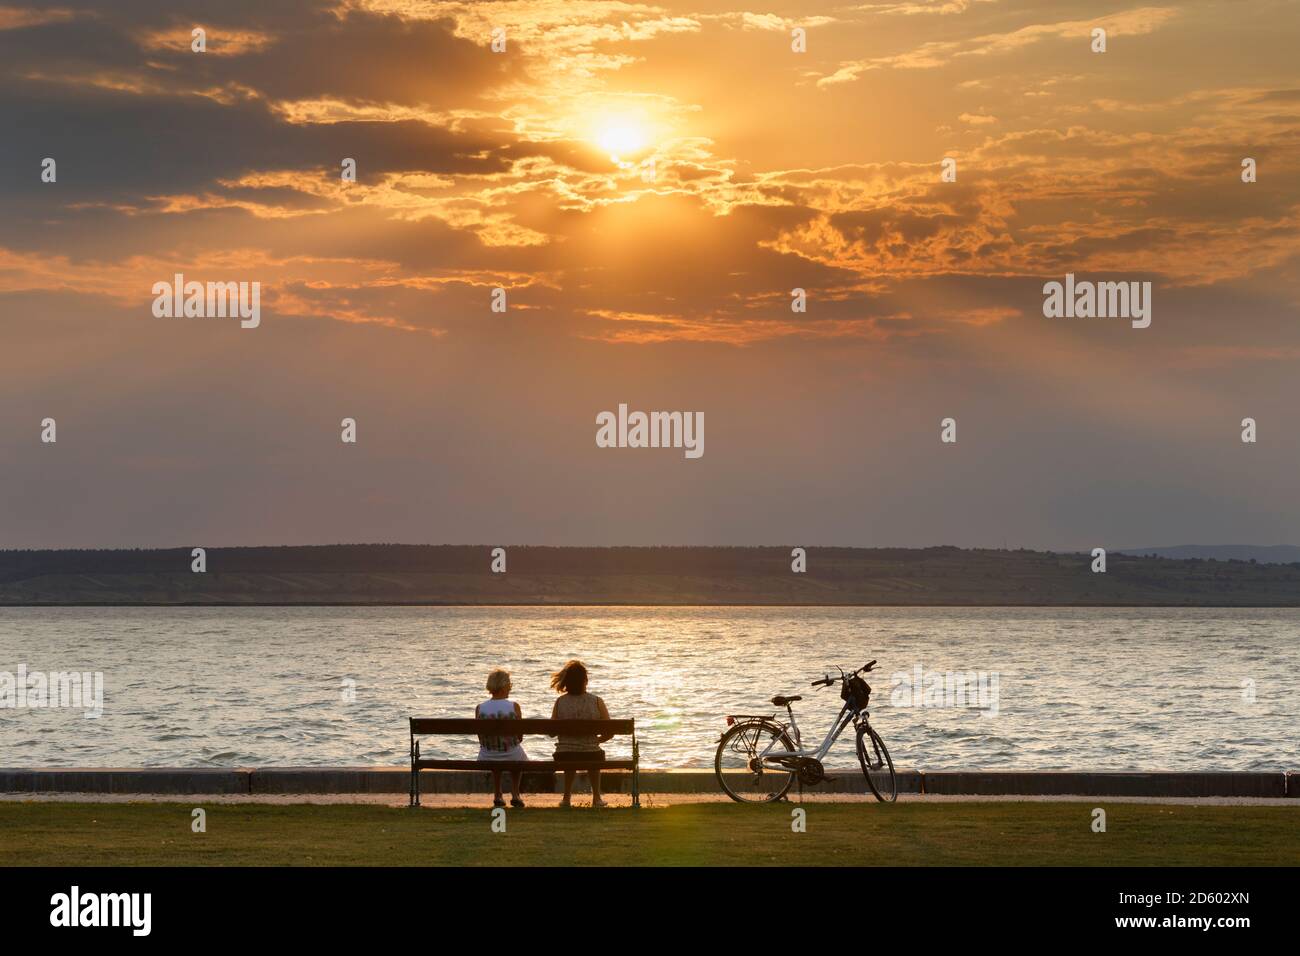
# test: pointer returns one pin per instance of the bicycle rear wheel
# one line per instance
(877, 766)
(740, 773)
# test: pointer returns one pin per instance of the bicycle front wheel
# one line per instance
(877, 766)
(741, 774)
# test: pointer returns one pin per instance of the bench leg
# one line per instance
(636, 774)
(415, 775)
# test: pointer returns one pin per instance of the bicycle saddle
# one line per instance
(779, 701)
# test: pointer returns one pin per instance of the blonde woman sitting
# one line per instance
(500, 707)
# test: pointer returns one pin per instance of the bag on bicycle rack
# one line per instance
(857, 692)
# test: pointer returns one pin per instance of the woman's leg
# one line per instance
(594, 777)
(496, 783)
(568, 783)
(516, 777)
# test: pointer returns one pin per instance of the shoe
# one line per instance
(565, 802)
(517, 802)
(599, 802)
(498, 802)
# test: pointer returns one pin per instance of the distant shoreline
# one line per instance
(612, 604)
(386, 575)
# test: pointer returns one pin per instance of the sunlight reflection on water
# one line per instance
(1079, 689)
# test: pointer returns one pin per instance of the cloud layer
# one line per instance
(648, 183)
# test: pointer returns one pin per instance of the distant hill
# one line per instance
(460, 574)
(1265, 554)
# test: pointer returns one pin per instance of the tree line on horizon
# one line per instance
(545, 559)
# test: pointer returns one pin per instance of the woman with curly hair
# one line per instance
(574, 703)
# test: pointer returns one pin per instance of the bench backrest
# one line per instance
(513, 728)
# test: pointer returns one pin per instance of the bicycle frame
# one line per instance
(845, 717)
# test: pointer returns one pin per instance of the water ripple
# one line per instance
(1079, 689)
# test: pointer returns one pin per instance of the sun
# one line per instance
(620, 138)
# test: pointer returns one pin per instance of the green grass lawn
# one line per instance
(837, 834)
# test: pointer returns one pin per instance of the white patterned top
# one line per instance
(499, 748)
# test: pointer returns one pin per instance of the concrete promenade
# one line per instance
(268, 781)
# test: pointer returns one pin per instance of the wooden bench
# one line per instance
(474, 727)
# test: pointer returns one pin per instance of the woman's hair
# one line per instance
(571, 678)
(498, 680)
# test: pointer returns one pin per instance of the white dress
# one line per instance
(499, 748)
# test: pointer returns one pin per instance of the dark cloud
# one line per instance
(924, 298)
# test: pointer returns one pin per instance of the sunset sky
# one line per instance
(529, 170)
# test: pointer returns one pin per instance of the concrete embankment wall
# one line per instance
(396, 780)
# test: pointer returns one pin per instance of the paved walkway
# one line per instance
(583, 801)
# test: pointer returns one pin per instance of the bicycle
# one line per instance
(759, 757)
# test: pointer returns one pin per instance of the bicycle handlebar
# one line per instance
(827, 681)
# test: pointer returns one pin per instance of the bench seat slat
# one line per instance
(513, 728)
(524, 766)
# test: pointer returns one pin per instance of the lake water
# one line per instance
(1076, 689)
